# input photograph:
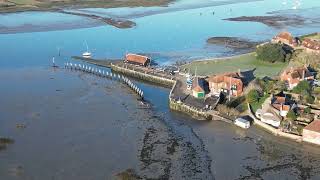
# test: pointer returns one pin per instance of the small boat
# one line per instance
(243, 123)
(86, 54)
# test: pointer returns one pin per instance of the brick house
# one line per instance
(137, 59)
(312, 46)
(311, 133)
(230, 83)
(293, 76)
(286, 38)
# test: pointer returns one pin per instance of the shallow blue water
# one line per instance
(167, 36)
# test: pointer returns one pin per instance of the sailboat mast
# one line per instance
(87, 46)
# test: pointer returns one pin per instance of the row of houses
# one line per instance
(232, 83)
(310, 45)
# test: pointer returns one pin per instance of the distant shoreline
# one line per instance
(10, 7)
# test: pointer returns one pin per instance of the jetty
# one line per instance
(104, 74)
(97, 62)
(179, 98)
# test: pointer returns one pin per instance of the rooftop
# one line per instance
(314, 126)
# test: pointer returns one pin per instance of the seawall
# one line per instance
(182, 107)
(196, 113)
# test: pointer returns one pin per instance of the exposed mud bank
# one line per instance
(118, 23)
(234, 43)
(276, 21)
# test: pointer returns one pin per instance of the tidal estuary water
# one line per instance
(79, 126)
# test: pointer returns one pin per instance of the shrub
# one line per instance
(271, 53)
(303, 86)
(299, 129)
(307, 110)
(308, 99)
(267, 85)
(281, 86)
(292, 115)
(252, 96)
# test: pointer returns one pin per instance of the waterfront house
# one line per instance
(311, 133)
(198, 90)
(293, 76)
(286, 38)
(270, 117)
(230, 83)
(281, 104)
(311, 45)
(137, 59)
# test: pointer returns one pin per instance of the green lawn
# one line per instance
(22, 2)
(232, 64)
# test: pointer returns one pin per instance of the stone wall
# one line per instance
(196, 113)
(143, 76)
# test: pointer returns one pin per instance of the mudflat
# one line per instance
(234, 43)
(276, 21)
(7, 6)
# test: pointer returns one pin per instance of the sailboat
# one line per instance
(86, 54)
(296, 4)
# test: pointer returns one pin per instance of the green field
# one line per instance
(232, 64)
(315, 36)
(24, 2)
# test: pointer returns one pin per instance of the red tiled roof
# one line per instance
(296, 74)
(235, 77)
(198, 89)
(137, 58)
(284, 107)
(314, 126)
(285, 35)
(197, 86)
(280, 100)
(311, 44)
